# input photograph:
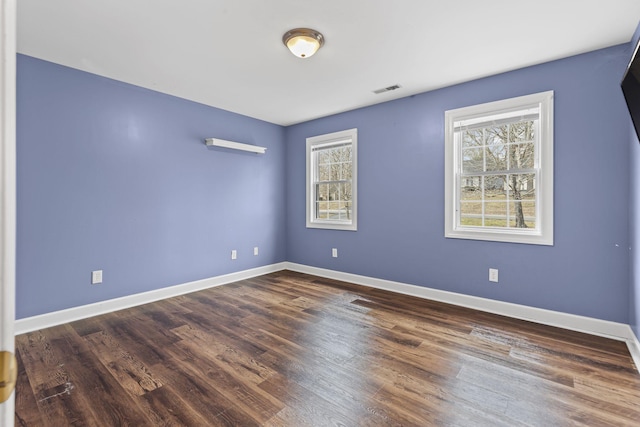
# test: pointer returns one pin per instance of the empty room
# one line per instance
(335, 213)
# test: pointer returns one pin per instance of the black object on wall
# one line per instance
(631, 88)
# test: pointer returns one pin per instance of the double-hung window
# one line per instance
(331, 180)
(499, 171)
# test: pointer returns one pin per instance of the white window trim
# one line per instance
(312, 222)
(544, 234)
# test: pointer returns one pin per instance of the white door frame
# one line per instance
(7, 189)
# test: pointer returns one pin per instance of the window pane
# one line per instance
(333, 192)
(322, 192)
(496, 157)
(348, 153)
(495, 187)
(331, 209)
(470, 188)
(472, 138)
(334, 172)
(324, 172)
(522, 214)
(522, 186)
(471, 213)
(497, 135)
(347, 210)
(495, 214)
(323, 157)
(345, 152)
(522, 156)
(335, 211)
(472, 160)
(340, 211)
(522, 131)
(345, 191)
(322, 210)
(345, 171)
(340, 154)
(333, 199)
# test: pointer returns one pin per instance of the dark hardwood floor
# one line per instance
(288, 349)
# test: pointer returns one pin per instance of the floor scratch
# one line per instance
(67, 390)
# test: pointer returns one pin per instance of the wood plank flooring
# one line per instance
(288, 349)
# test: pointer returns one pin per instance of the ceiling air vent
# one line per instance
(386, 89)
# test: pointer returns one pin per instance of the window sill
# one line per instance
(511, 236)
(348, 226)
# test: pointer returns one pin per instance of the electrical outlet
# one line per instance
(334, 252)
(234, 254)
(96, 277)
(493, 275)
(255, 250)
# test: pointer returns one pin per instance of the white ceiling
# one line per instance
(229, 53)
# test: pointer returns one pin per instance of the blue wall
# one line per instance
(634, 217)
(401, 194)
(115, 177)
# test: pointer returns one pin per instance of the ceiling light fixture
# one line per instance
(303, 42)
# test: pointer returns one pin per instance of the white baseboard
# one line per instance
(42, 321)
(589, 325)
(604, 328)
(634, 348)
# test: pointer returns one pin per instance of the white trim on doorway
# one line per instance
(7, 188)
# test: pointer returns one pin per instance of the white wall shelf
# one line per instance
(215, 142)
